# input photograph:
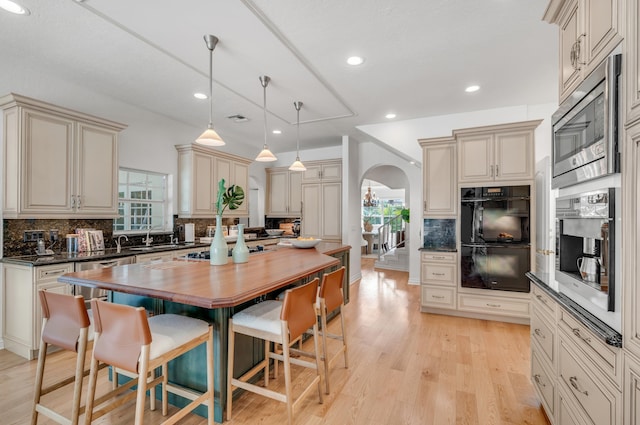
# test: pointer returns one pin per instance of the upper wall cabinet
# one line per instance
(589, 31)
(500, 153)
(322, 171)
(284, 192)
(58, 163)
(632, 59)
(440, 178)
(199, 171)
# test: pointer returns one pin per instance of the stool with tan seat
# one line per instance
(65, 324)
(126, 339)
(281, 323)
(330, 299)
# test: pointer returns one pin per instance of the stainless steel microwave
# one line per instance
(585, 128)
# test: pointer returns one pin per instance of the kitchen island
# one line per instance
(213, 293)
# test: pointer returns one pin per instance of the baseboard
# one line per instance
(413, 281)
(472, 315)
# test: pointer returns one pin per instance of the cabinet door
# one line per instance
(631, 390)
(632, 60)
(203, 181)
(440, 179)
(603, 24)
(97, 165)
(631, 244)
(513, 156)
(476, 158)
(331, 207)
(569, 32)
(47, 166)
(312, 174)
(331, 172)
(240, 177)
(295, 193)
(277, 193)
(311, 225)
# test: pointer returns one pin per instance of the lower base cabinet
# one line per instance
(631, 389)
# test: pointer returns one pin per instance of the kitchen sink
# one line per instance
(152, 247)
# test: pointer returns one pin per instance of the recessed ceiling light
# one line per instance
(355, 60)
(13, 7)
(277, 131)
(390, 116)
(200, 96)
(471, 89)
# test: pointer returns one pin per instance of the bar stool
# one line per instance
(126, 339)
(278, 322)
(65, 324)
(330, 299)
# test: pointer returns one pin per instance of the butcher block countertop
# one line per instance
(197, 283)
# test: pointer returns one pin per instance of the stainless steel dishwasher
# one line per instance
(87, 292)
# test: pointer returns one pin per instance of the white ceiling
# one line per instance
(419, 57)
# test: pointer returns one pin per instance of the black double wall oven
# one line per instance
(495, 237)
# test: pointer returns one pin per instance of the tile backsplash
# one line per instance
(13, 232)
(439, 233)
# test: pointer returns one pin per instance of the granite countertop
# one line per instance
(609, 335)
(107, 254)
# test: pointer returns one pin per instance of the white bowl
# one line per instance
(305, 243)
(275, 232)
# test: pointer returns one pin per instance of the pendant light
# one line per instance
(265, 155)
(297, 164)
(210, 137)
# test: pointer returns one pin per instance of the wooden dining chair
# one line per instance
(126, 339)
(278, 322)
(330, 299)
(65, 324)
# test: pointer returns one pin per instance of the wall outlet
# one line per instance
(32, 235)
(53, 235)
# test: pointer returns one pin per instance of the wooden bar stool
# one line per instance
(126, 339)
(65, 324)
(278, 322)
(330, 299)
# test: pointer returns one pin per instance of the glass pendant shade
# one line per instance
(210, 137)
(265, 154)
(297, 164)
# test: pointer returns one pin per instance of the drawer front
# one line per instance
(586, 389)
(544, 385)
(52, 272)
(543, 334)
(566, 415)
(439, 257)
(494, 305)
(606, 357)
(149, 258)
(544, 303)
(439, 297)
(439, 274)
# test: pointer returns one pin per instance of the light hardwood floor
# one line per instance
(406, 367)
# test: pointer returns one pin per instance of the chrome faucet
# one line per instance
(147, 241)
(118, 242)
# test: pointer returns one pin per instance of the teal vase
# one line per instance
(218, 251)
(240, 252)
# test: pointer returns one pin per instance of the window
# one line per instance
(142, 201)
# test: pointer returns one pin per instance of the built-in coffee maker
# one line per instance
(585, 242)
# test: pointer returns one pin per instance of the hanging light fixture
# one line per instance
(297, 164)
(210, 137)
(265, 155)
(370, 199)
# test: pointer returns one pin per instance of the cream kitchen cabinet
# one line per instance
(499, 153)
(589, 31)
(631, 390)
(632, 60)
(199, 171)
(58, 163)
(322, 171)
(440, 180)
(22, 314)
(284, 193)
(438, 280)
(233, 171)
(322, 211)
